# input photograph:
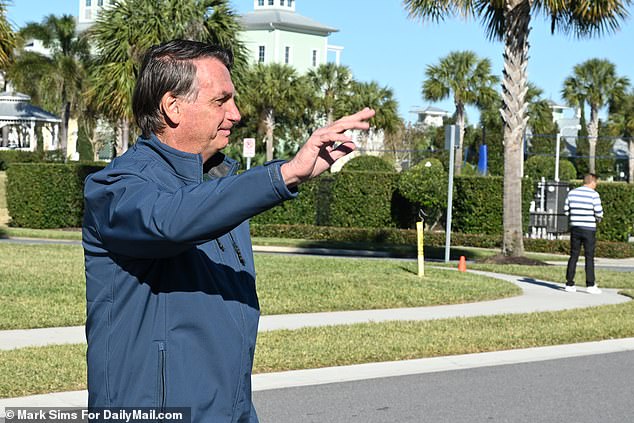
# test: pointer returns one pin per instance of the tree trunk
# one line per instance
(514, 87)
(125, 134)
(630, 178)
(460, 121)
(63, 130)
(269, 123)
(593, 134)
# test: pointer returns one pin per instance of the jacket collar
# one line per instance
(188, 165)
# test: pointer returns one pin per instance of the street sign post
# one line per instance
(452, 133)
(248, 150)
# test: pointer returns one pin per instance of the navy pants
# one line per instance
(587, 238)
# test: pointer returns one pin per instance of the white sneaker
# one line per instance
(593, 290)
(571, 288)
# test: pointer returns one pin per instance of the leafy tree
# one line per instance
(621, 124)
(55, 81)
(537, 167)
(509, 21)
(425, 185)
(596, 83)
(123, 32)
(465, 76)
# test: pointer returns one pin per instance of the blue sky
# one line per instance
(382, 44)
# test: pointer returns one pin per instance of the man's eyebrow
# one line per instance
(225, 95)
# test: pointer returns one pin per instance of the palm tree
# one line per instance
(123, 33)
(331, 83)
(468, 78)
(56, 81)
(7, 38)
(509, 21)
(594, 82)
(381, 99)
(270, 92)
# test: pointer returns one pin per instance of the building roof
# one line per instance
(430, 110)
(15, 107)
(281, 19)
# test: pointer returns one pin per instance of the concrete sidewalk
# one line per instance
(537, 296)
(297, 378)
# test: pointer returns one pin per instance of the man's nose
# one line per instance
(233, 114)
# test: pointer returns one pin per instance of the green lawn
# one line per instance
(605, 279)
(43, 285)
(62, 368)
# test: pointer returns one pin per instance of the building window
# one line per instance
(287, 55)
(260, 2)
(88, 3)
(281, 2)
(99, 2)
(261, 54)
(290, 3)
(314, 57)
(271, 2)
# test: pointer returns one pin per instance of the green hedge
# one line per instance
(617, 199)
(346, 199)
(362, 199)
(302, 210)
(394, 236)
(46, 195)
(477, 204)
(369, 164)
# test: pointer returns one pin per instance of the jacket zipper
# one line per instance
(162, 388)
(237, 250)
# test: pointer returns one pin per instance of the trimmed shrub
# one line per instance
(362, 199)
(302, 210)
(46, 195)
(393, 236)
(369, 164)
(537, 167)
(617, 199)
(425, 185)
(18, 156)
(478, 202)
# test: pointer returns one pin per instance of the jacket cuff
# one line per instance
(277, 181)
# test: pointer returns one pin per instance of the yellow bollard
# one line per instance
(421, 253)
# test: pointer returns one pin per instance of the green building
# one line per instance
(274, 33)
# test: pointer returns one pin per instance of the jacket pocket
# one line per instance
(161, 386)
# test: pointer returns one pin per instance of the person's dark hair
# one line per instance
(169, 67)
(589, 178)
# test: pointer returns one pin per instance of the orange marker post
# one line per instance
(462, 264)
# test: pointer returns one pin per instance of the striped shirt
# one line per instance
(583, 205)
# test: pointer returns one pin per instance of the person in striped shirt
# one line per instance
(583, 206)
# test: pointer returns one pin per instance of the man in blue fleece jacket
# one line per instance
(172, 309)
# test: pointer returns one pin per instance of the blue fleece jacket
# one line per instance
(172, 309)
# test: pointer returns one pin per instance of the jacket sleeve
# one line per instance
(133, 216)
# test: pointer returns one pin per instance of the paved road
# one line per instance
(590, 389)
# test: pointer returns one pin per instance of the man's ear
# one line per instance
(171, 108)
